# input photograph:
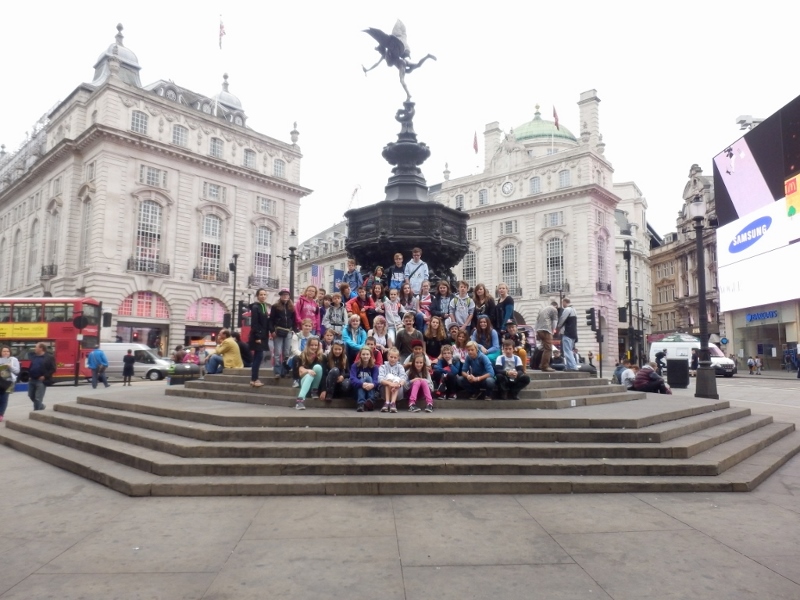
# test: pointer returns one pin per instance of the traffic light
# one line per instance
(599, 337)
(226, 321)
(591, 321)
(240, 313)
(622, 314)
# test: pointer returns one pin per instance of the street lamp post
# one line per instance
(627, 256)
(706, 380)
(232, 266)
(639, 331)
(292, 257)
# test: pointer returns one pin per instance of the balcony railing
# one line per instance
(49, 271)
(141, 265)
(204, 274)
(602, 286)
(553, 288)
(268, 283)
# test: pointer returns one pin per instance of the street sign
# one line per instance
(723, 341)
(80, 322)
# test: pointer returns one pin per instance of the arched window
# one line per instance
(33, 253)
(86, 233)
(55, 226)
(509, 267)
(16, 249)
(216, 147)
(250, 159)
(180, 135)
(602, 275)
(144, 304)
(148, 236)
(206, 309)
(554, 253)
(262, 258)
(563, 178)
(469, 269)
(210, 250)
(139, 122)
(279, 168)
(536, 185)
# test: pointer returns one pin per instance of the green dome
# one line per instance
(539, 128)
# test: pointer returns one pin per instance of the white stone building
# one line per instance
(326, 250)
(140, 196)
(542, 219)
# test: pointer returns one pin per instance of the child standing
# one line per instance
(419, 380)
(360, 305)
(281, 332)
(395, 276)
(392, 377)
(408, 305)
(391, 312)
(308, 369)
(363, 379)
(462, 308)
(424, 301)
(510, 375)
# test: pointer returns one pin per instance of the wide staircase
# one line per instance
(569, 433)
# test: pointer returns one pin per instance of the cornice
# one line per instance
(566, 193)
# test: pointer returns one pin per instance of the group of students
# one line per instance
(641, 379)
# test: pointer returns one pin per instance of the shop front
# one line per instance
(769, 331)
(143, 318)
(204, 319)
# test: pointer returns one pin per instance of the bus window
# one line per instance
(24, 349)
(5, 313)
(57, 313)
(92, 313)
(27, 313)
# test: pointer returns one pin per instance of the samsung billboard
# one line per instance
(757, 203)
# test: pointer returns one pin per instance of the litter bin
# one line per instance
(678, 373)
(183, 372)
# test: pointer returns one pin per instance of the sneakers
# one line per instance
(452, 396)
(315, 394)
(442, 389)
(360, 408)
(414, 408)
(393, 408)
(479, 395)
(429, 408)
(385, 408)
(296, 383)
(300, 404)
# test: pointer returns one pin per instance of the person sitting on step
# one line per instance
(511, 377)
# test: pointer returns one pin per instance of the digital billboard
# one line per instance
(756, 181)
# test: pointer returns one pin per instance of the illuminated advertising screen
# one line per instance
(756, 181)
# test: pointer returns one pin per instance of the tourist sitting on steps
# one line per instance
(648, 380)
(225, 355)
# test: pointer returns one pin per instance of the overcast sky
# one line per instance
(672, 78)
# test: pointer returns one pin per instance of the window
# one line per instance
(148, 233)
(90, 171)
(216, 147)
(508, 227)
(554, 266)
(180, 135)
(266, 206)
(601, 261)
(508, 266)
(262, 259)
(58, 313)
(554, 219)
(563, 178)
(139, 122)
(210, 246)
(55, 226)
(56, 186)
(33, 253)
(469, 269)
(152, 176)
(536, 185)
(15, 260)
(279, 168)
(483, 197)
(86, 233)
(460, 202)
(250, 159)
(472, 234)
(37, 200)
(214, 192)
(600, 217)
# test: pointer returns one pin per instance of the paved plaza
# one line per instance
(64, 537)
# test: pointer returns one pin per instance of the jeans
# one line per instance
(98, 376)
(4, 400)
(568, 350)
(450, 380)
(282, 352)
(258, 356)
(473, 388)
(363, 395)
(512, 386)
(310, 382)
(215, 364)
(414, 391)
(331, 384)
(36, 390)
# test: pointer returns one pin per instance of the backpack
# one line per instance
(751, 362)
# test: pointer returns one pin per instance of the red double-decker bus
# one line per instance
(26, 321)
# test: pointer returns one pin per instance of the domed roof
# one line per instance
(129, 64)
(117, 49)
(539, 128)
(226, 98)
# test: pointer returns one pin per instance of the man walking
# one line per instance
(98, 363)
(568, 326)
(545, 327)
(41, 373)
(416, 271)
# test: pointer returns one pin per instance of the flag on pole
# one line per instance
(555, 116)
(316, 276)
(221, 31)
(475, 142)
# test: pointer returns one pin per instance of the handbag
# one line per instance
(282, 331)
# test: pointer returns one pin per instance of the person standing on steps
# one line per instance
(127, 366)
(568, 326)
(41, 371)
(259, 333)
(545, 327)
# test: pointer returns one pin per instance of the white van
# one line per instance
(680, 345)
(148, 363)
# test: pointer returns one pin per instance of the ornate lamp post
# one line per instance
(292, 257)
(706, 380)
(627, 233)
(232, 267)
